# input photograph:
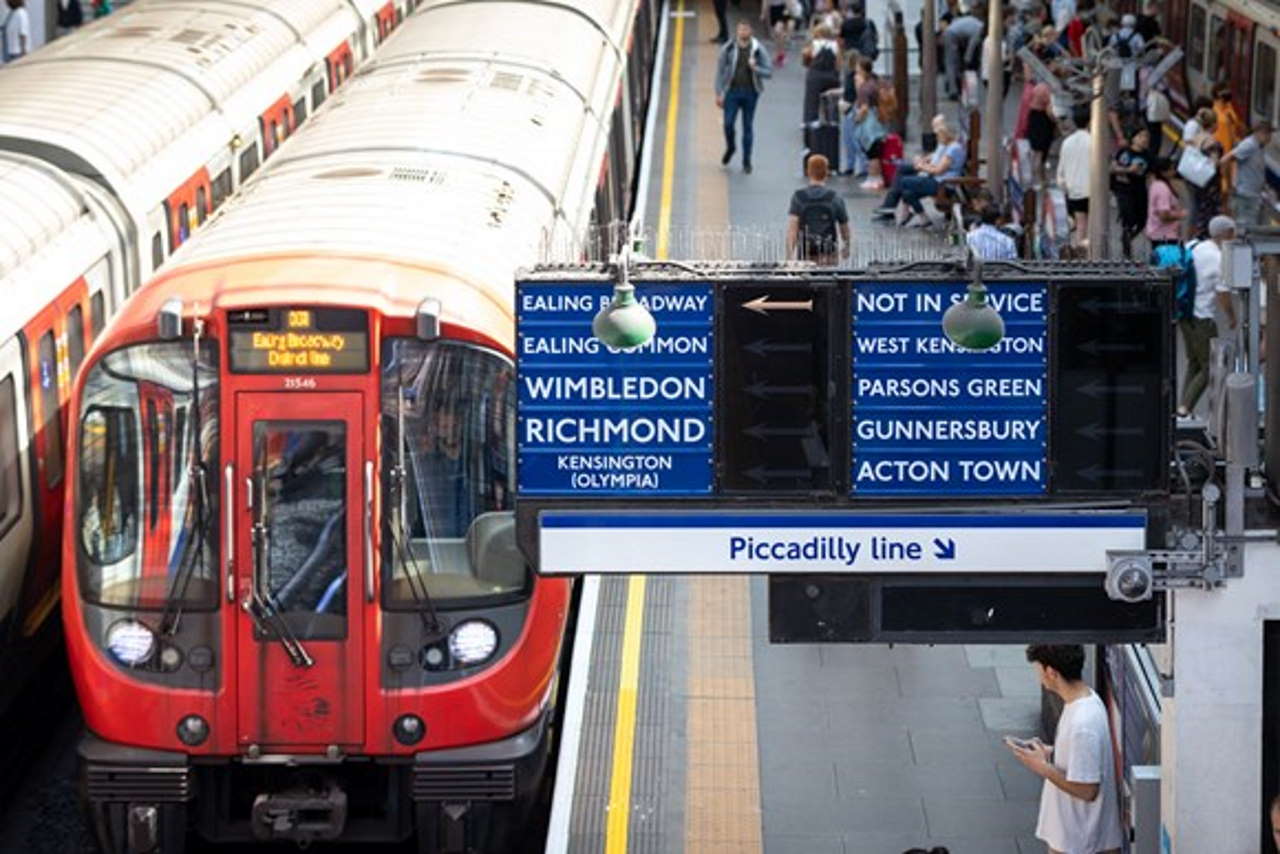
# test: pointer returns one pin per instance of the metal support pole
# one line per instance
(928, 73)
(993, 122)
(901, 76)
(1271, 378)
(1099, 161)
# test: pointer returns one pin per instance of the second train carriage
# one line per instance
(299, 612)
(109, 163)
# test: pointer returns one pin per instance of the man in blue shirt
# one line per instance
(988, 242)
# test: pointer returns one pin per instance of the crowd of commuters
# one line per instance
(16, 38)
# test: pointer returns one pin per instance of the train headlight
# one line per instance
(131, 642)
(193, 730)
(408, 729)
(473, 642)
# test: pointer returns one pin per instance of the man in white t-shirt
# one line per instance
(1079, 805)
(1212, 294)
(17, 31)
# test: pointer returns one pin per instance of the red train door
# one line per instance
(300, 552)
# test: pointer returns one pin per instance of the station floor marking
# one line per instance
(722, 767)
(619, 808)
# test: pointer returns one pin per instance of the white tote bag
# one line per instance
(1196, 166)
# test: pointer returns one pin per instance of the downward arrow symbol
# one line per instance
(946, 551)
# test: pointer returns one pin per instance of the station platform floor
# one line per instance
(686, 729)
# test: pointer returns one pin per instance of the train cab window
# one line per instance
(75, 339)
(299, 111)
(157, 250)
(47, 355)
(221, 187)
(300, 473)
(1195, 44)
(448, 415)
(128, 396)
(317, 95)
(248, 162)
(97, 314)
(1264, 80)
(202, 206)
(10, 479)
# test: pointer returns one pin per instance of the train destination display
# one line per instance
(598, 421)
(299, 340)
(930, 418)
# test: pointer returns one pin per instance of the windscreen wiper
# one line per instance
(264, 612)
(197, 489)
(402, 554)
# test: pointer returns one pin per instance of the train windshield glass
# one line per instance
(449, 477)
(142, 544)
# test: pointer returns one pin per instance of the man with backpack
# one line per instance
(1199, 287)
(858, 33)
(818, 221)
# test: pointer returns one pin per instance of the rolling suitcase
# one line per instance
(823, 136)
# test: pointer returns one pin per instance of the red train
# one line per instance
(109, 164)
(296, 610)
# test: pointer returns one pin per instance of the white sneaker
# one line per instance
(902, 215)
(918, 221)
(872, 184)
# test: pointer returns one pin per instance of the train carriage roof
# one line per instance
(109, 100)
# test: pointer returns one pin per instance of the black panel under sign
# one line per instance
(1112, 408)
(976, 609)
(775, 389)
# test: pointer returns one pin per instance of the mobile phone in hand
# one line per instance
(1018, 742)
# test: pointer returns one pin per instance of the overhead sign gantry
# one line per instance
(794, 423)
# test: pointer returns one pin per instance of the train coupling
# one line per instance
(303, 814)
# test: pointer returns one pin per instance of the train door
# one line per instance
(51, 352)
(300, 553)
(1266, 75)
(16, 515)
(1238, 45)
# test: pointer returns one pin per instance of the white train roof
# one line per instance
(117, 96)
(49, 233)
(449, 150)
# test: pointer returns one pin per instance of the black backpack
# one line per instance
(818, 223)
(869, 41)
(1124, 46)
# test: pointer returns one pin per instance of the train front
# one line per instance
(296, 608)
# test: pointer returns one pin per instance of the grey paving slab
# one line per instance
(805, 763)
(865, 743)
(986, 845)
(1017, 680)
(896, 779)
(1010, 714)
(803, 844)
(1018, 783)
(937, 712)
(976, 818)
(942, 681)
(1030, 845)
(903, 816)
(996, 655)
(956, 747)
(875, 842)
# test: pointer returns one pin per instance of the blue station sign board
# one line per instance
(931, 419)
(595, 421)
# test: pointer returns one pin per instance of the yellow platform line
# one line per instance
(624, 724)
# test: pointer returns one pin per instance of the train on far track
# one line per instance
(117, 142)
(294, 606)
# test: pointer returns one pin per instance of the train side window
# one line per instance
(47, 355)
(1219, 50)
(157, 250)
(317, 95)
(97, 313)
(221, 187)
(1195, 42)
(10, 480)
(248, 162)
(1264, 80)
(299, 111)
(202, 205)
(184, 223)
(75, 339)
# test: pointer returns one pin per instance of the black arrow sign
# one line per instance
(1096, 473)
(763, 347)
(762, 389)
(1097, 431)
(1097, 306)
(1095, 347)
(1096, 389)
(762, 431)
(760, 474)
